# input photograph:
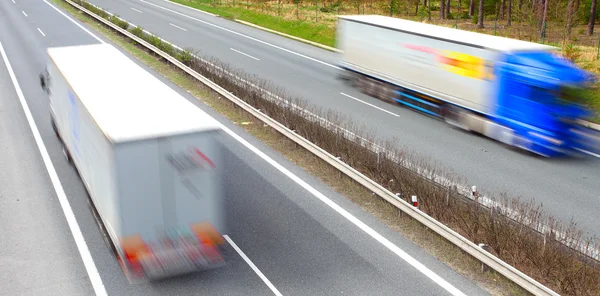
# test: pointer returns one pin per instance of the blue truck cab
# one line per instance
(531, 101)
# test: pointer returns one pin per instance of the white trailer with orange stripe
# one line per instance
(513, 91)
(149, 159)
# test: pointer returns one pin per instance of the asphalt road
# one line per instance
(302, 246)
(567, 188)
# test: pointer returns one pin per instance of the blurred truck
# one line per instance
(149, 159)
(508, 90)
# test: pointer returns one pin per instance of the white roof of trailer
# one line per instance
(127, 102)
(477, 39)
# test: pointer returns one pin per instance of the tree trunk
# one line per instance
(480, 16)
(442, 9)
(540, 14)
(592, 18)
(471, 7)
(570, 7)
(520, 4)
(502, 8)
(417, 8)
(428, 10)
(509, 14)
(544, 18)
(447, 9)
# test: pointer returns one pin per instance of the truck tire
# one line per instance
(66, 153)
(54, 127)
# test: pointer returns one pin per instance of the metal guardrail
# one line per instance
(436, 180)
(471, 248)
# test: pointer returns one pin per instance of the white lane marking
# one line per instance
(84, 251)
(370, 231)
(258, 272)
(178, 27)
(24, 13)
(41, 32)
(589, 152)
(184, 6)
(14, 2)
(244, 54)
(136, 10)
(76, 23)
(245, 36)
(369, 104)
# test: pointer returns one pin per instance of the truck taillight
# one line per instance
(134, 248)
(207, 234)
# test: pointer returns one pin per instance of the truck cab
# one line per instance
(533, 101)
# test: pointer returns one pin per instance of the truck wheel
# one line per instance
(54, 128)
(66, 153)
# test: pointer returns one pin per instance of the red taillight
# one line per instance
(134, 248)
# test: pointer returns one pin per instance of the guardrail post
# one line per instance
(340, 172)
(484, 267)
(474, 193)
(399, 196)
(295, 143)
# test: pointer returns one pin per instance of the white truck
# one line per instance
(508, 90)
(149, 159)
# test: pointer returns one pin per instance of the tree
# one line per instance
(509, 16)
(428, 10)
(480, 16)
(570, 16)
(442, 9)
(592, 18)
(544, 18)
(471, 7)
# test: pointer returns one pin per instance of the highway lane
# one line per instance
(36, 246)
(300, 245)
(568, 188)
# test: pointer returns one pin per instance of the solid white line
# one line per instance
(76, 23)
(589, 152)
(260, 274)
(244, 54)
(378, 237)
(185, 6)
(84, 251)
(386, 111)
(178, 27)
(41, 32)
(245, 36)
(136, 10)
(14, 2)
(24, 13)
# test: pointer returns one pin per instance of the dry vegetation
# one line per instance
(540, 256)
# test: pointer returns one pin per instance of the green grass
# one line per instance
(316, 32)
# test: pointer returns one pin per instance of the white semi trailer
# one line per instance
(149, 159)
(506, 89)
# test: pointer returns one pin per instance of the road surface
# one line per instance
(567, 188)
(295, 242)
